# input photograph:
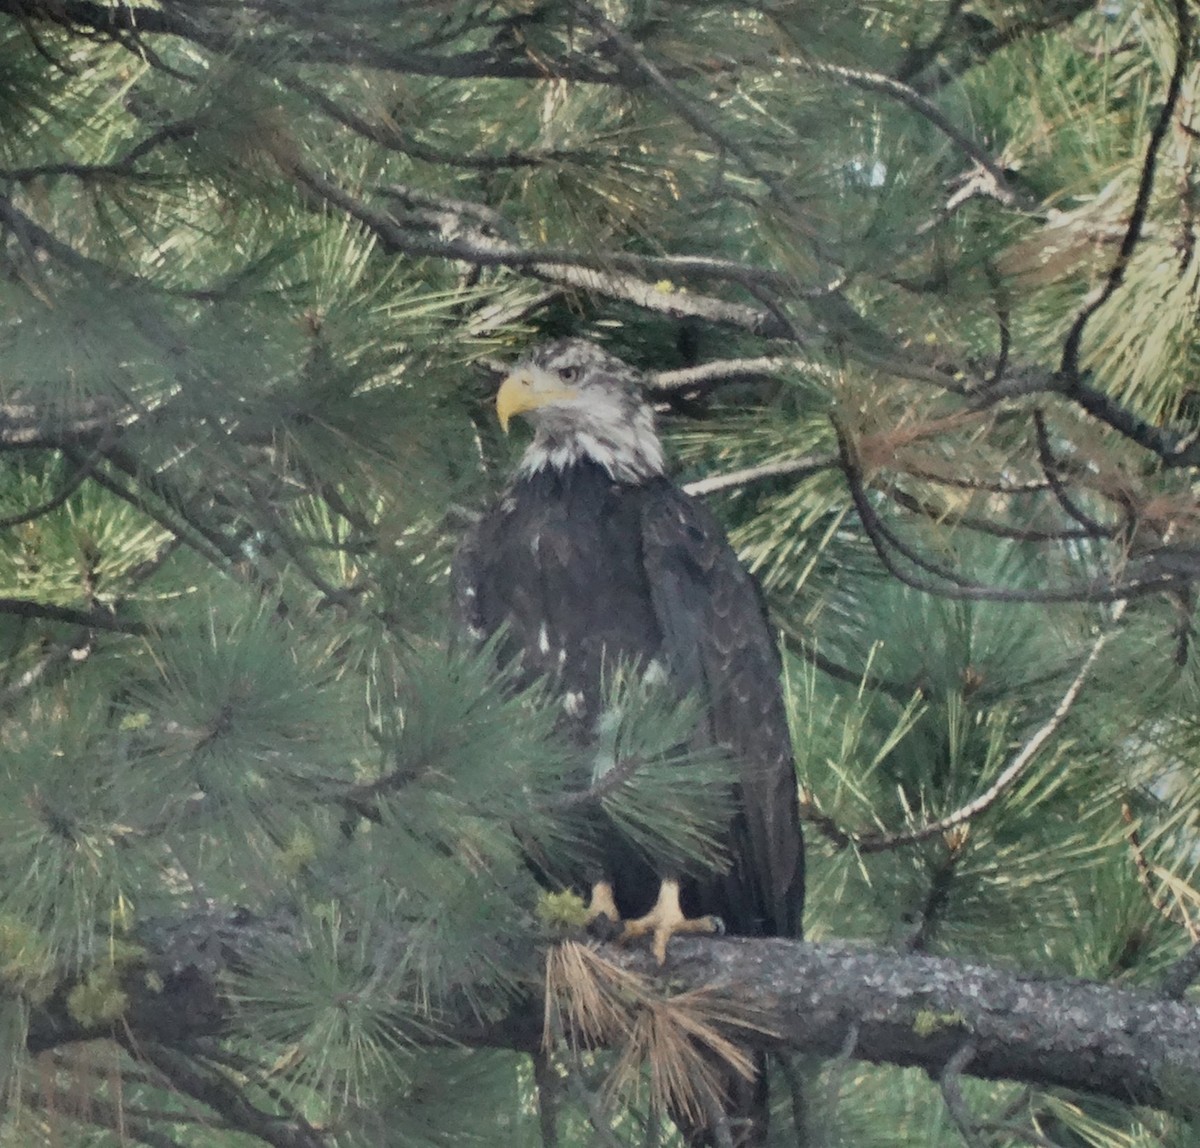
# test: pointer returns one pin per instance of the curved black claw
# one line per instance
(603, 928)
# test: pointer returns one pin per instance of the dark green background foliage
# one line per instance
(915, 285)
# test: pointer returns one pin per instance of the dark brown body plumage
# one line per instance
(585, 571)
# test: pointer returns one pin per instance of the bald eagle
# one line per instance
(593, 557)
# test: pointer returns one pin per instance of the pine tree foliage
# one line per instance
(914, 285)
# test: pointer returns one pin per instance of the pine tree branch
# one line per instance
(904, 1010)
(219, 30)
(919, 56)
(201, 540)
(1008, 776)
(948, 583)
(125, 166)
(126, 1124)
(937, 895)
(1173, 448)
(224, 1097)
(803, 646)
(1053, 471)
(1173, 911)
(1069, 366)
(391, 136)
(78, 476)
(51, 425)
(910, 98)
(941, 515)
(975, 47)
(452, 234)
(956, 1104)
(749, 476)
(695, 116)
(720, 371)
(92, 619)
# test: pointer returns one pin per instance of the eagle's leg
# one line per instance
(666, 919)
(602, 904)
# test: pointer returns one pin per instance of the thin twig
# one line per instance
(952, 585)
(1052, 469)
(591, 1102)
(717, 1119)
(1181, 975)
(735, 479)
(695, 117)
(1069, 366)
(1176, 914)
(124, 166)
(875, 842)
(984, 525)
(796, 1094)
(956, 1105)
(836, 1077)
(79, 476)
(719, 371)
(937, 896)
(219, 1093)
(99, 619)
(912, 99)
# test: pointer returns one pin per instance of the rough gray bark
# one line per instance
(1130, 1045)
(829, 999)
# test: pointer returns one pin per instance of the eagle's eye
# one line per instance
(568, 374)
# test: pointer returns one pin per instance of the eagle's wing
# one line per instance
(718, 642)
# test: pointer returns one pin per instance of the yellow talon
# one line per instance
(666, 919)
(601, 904)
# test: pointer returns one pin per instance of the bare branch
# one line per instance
(734, 479)
(950, 584)
(600, 273)
(956, 1104)
(719, 371)
(1053, 469)
(77, 478)
(985, 525)
(1172, 448)
(902, 1010)
(875, 842)
(926, 109)
(98, 619)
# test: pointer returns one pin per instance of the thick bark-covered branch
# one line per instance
(910, 1011)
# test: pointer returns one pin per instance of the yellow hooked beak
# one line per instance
(526, 389)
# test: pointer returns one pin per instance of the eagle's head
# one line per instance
(585, 404)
